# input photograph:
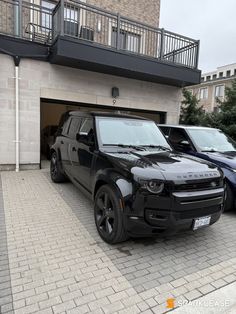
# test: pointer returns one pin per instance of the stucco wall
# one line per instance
(41, 79)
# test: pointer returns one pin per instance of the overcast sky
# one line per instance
(211, 21)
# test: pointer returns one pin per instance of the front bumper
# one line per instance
(151, 215)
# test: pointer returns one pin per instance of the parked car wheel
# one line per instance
(56, 175)
(229, 203)
(108, 216)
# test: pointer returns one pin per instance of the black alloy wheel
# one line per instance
(56, 175)
(109, 216)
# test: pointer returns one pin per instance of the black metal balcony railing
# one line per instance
(86, 22)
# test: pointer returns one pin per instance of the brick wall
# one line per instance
(143, 11)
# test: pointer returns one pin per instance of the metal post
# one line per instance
(118, 32)
(17, 141)
(197, 54)
(162, 43)
(62, 7)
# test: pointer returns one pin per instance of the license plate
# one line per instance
(201, 222)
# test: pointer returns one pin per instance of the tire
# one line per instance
(108, 215)
(56, 175)
(229, 203)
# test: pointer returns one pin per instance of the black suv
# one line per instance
(140, 187)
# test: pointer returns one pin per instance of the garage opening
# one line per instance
(51, 111)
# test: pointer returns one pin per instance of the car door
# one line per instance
(73, 145)
(180, 141)
(85, 154)
(64, 142)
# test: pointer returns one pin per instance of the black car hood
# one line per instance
(163, 165)
(223, 158)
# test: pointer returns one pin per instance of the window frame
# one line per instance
(219, 96)
(205, 94)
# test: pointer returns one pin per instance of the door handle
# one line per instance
(73, 149)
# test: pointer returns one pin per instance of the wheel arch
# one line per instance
(121, 184)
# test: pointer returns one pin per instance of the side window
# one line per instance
(65, 126)
(74, 127)
(176, 136)
(165, 130)
(87, 128)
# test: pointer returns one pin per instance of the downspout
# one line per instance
(17, 141)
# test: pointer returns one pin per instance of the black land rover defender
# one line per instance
(139, 185)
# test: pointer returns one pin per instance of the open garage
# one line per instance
(51, 112)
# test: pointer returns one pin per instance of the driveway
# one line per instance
(53, 261)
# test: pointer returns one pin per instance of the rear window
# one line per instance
(74, 127)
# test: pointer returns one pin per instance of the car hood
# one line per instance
(227, 158)
(164, 165)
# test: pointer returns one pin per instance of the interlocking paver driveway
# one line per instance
(55, 262)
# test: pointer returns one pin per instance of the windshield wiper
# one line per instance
(126, 146)
(212, 150)
(158, 147)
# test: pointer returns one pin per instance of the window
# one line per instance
(228, 73)
(88, 129)
(128, 41)
(214, 77)
(165, 130)
(177, 136)
(221, 74)
(46, 21)
(219, 91)
(234, 71)
(203, 93)
(70, 15)
(202, 78)
(74, 127)
(208, 78)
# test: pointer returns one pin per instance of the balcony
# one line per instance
(80, 35)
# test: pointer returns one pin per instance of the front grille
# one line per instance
(198, 186)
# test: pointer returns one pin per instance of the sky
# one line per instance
(213, 22)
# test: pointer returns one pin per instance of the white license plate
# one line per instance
(201, 222)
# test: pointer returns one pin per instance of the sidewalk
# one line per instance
(220, 301)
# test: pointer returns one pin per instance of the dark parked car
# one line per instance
(140, 187)
(209, 144)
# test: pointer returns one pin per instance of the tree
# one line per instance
(226, 117)
(191, 113)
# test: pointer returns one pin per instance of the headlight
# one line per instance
(155, 187)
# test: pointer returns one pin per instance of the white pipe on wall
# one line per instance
(17, 119)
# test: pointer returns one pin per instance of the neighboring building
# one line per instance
(71, 55)
(213, 86)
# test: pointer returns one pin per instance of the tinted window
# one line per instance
(165, 130)
(177, 135)
(87, 128)
(65, 126)
(74, 127)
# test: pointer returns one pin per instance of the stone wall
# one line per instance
(43, 80)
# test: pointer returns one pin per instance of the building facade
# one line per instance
(70, 55)
(212, 86)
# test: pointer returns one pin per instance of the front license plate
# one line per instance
(201, 222)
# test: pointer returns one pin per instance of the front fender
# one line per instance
(117, 180)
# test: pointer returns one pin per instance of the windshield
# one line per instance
(130, 132)
(212, 140)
